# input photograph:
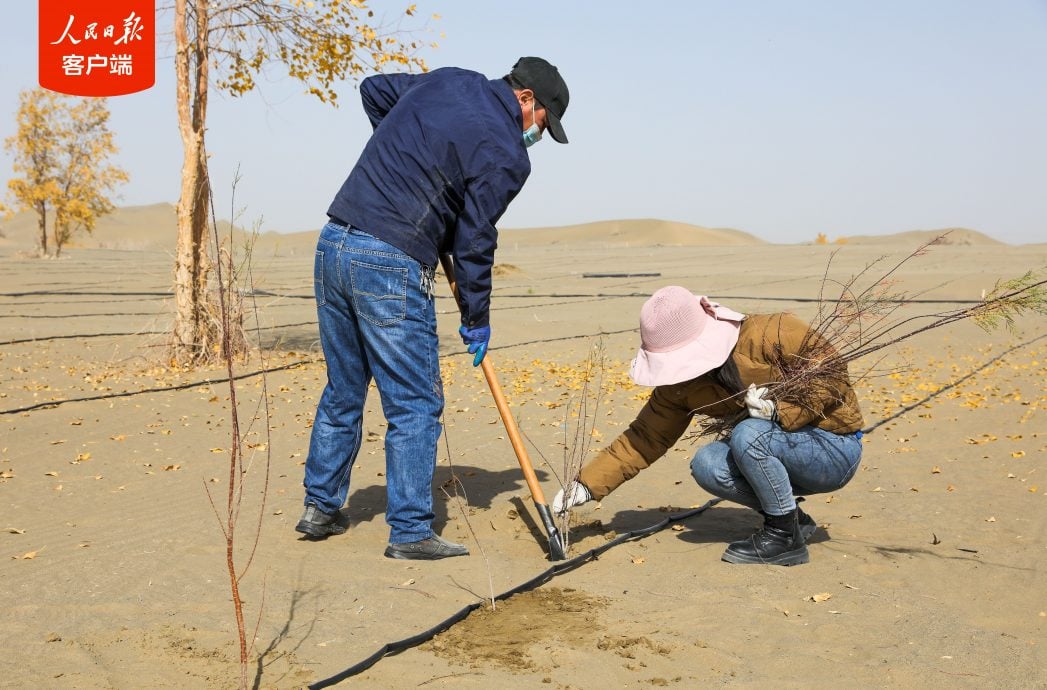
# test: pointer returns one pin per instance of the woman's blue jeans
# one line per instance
(764, 466)
(377, 320)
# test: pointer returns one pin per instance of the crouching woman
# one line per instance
(800, 425)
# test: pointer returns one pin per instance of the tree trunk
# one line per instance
(61, 231)
(192, 327)
(41, 214)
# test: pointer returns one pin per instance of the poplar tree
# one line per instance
(62, 167)
(227, 44)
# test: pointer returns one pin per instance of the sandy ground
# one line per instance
(928, 571)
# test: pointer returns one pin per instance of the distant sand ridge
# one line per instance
(154, 228)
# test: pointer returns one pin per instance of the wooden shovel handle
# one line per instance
(499, 401)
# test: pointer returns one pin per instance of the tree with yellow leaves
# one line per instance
(61, 152)
(318, 43)
(85, 180)
(35, 150)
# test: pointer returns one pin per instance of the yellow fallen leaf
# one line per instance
(118, 437)
(1018, 454)
(172, 468)
(50, 474)
(819, 598)
(990, 519)
(217, 450)
(677, 528)
(27, 556)
(936, 470)
(83, 457)
(639, 560)
(1032, 489)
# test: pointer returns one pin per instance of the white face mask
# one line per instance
(533, 134)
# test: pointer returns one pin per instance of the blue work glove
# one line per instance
(476, 339)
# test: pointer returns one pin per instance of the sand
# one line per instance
(928, 570)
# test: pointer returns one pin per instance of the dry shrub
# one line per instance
(863, 321)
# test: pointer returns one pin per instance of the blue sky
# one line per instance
(783, 119)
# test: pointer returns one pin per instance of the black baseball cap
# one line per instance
(549, 88)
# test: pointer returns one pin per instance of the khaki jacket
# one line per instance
(670, 409)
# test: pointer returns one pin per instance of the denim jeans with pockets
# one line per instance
(763, 466)
(377, 321)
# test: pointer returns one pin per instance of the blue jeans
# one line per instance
(764, 466)
(377, 320)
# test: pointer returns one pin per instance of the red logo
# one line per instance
(97, 48)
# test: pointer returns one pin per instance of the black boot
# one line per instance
(807, 524)
(778, 543)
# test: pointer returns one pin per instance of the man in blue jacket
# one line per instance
(447, 155)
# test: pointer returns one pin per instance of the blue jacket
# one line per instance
(444, 161)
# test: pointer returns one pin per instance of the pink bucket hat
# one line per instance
(682, 337)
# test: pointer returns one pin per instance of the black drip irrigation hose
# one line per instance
(159, 389)
(392, 648)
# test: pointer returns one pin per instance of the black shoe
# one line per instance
(771, 545)
(429, 549)
(807, 525)
(316, 524)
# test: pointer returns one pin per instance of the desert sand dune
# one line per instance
(927, 570)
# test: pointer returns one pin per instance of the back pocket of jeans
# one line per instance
(379, 292)
(318, 279)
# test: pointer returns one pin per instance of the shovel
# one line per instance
(556, 550)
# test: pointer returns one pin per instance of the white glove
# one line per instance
(575, 493)
(759, 407)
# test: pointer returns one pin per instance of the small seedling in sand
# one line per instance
(239, 470)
